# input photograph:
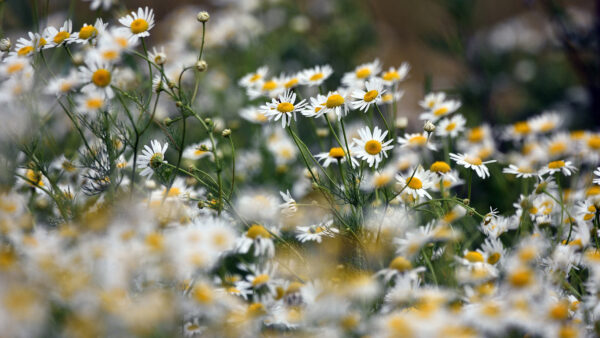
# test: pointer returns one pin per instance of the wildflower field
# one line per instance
(254, 168)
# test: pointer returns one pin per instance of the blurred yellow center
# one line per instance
(94, 103)
(414, 183)
(291, 83)
(101, 77)
(474, 160)
(334, 100)
(316, 77)
(419, 140)
(61, 36)
(260, 279)
(474, 257)
(556, 164)
(391, 76)
(401, 264)
(440, 167)
(285, 107)
(363, 73)
(269, 85)
(87, 32)
(256, 231)
(336, 152)
(24, 50)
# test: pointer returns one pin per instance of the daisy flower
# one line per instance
(315, 107)
(451, 126)
(97, 76)
(440, 110)
(158, 56)
(62, 85)
(254, 114)
(315, 76)
(546, 122)
(269, 88)
(289, 81)
(152, 157)
(521, 171)
(394, 75)
(25, 47)
(56, 37)
(372, 147)
(472, 162)
(288, 208)
(390, 97)
(334, 155)
(284, 108)
(416, 185)
(431, 100)
(88, 32)
(252, 79)
(197, 151)
(15, 65)
(361, 73)
(258, 238)
(139, 23)
(316, 232)
(378, 179)
(91, 102)
(416, 141)
(336, 103)
(558, 166)
(363, 99)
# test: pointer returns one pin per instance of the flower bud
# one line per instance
(179, 104)
(78, 59)
(201, 65)
(401, 122)
(226, 132)
(167, 121)
(203, 16)
(322, 132)
(429, 127)
(466, 201)
(5, 45)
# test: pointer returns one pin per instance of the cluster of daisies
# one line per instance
(362, 227)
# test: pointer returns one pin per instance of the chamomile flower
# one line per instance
(289, 81)
(105, 4)
(257, 238)
(451, 126)
(197, 151)
(62, 85)
(13, 66)
(378, 179)
(597, 174)
(441, 109)
(284, 108)
(416, 141)
(334, 155)
(288, 208)
(363, 99)
(315, 108)
(394, 75)
(315, 76)
(268, 88)
(472, 162)
(252, 79)
(361, 73)
(139, 23)
(416, 185)
(336, 103)
(89, 32)
(152, 157)
(390, 97)
(546, 122)
(26, 47)
(254, 114)
(58, 37)
(316, 232)
(372, 147)
(91, 102)
(523, 170)
(158, 56)
(432, 99)
(564, 167)
(97, 76)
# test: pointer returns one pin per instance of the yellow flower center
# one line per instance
(474, 160)
(474, 257)
(15, 67)
(401, 264)
(334, 100)
(391, 76)
(61, 36)
(139, 26)
(556, 164)
(256, 231)
(94, 103)
(451, 126)
(441, 111)
(547, 126)
(418, 140)
(87, 32)
(594, 142)
(387, 97)
(203, 294)
(557, 148)
(336, 152)
(382, 180)
(316, 77)
(101, 77)
(260, 279)
(520, 278)
(494, 258)
(24, 51)
(269, 85)
(291, 83)
(42, 42)
(373, 147)
(285, 107)
(255, 77)
(363, 73)
(370, 95)
(475, 135)
(522, 127)
(110, 54)
(440, 167)
(559, 311)
(414, 183)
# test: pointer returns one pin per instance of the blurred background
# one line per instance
(505, 61)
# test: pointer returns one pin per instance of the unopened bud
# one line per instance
(466, 201)
(167, 121)
(201, 65)
(401, 122)
(179, 104)
(322, 132)
(429, 127)
(201, 205)
(78, 59)
(5, 45)
(226, 132)
(208, 121)
(171, 84)
(203, 16)
(203, 147)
